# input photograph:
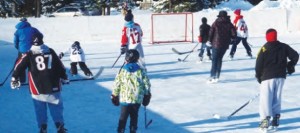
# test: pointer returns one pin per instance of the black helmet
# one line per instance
(132, 56)
(37, 39)
(76, 44)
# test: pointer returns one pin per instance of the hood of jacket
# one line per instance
(131, 67)
(22, 25)
(39, 49)
(129, 24)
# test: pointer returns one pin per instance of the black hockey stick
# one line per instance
(1, 84)
(147, 123)
(180, 53)
(217, 116)
(188, 54)
(116, 61)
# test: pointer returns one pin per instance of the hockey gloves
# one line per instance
(124, 49)
(61, 55)
(65, 81)
(15, 83)
(290, 68)
(200, 39)
(115, 100)
(146, 99)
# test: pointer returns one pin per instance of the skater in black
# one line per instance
(77, 56)
(45, 74)
(203, 38)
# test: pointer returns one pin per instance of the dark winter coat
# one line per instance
(221, 33)
(23, 36)
(204, 32)
(272, 60)
(44, 70)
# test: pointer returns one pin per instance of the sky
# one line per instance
(182, 102)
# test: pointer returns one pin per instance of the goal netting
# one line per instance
(171, 27)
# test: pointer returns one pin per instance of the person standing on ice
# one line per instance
(271, 68)
(220, 35)
(45, 74)
(242, 34)
(23, 41)
(131, 89)
(132, 38)
(203, 38)
(77, 56)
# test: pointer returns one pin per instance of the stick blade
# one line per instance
(219, 117)
(147, 125)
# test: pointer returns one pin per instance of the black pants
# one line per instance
(22, 75)
(217, 57)
(236, 42)
(82, 66)
(131, 110)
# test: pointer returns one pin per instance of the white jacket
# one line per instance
(242, 29)
(76, 54)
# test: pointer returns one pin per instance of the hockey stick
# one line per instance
(1, 84)
(180, 53)
(217, 116)
(188, 54)
(147, 123)
(116, 61)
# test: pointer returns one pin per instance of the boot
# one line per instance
(275, 121)
(121, 131)
(264, 124)
(60, 127)
(133, 129)
(43, 128)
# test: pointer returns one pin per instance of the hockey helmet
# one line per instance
(76, 44)
(132, 56)
(37, 39)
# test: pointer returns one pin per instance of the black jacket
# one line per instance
(272, 60)
(44, 70)
(204, 32)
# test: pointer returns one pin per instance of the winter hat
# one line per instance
(222, 14)
(23, 19)
(37, 39)
(237, 12)
(132, 56)
(128, 16)
(204, 20)
(271, 35)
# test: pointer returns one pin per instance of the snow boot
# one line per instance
(60, 127)
(43, 128)
(275, 122)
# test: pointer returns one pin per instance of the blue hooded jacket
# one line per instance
(23, 36)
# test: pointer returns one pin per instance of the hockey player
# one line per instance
(242, 34)
(23, 41)
(77, 56)
(271, 68)
(203, 37)
(131, 89)
(132, 38)
(45, 74)
(220, 35)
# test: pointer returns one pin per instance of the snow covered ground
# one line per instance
(182, 102)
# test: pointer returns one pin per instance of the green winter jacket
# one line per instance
(131, 84)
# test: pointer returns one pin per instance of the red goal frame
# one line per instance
(187, 37)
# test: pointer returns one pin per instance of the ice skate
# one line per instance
(264, 125)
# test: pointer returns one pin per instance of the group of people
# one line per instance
(46, 73)
(274, 61)
(131, 86)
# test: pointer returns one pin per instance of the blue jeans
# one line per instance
(203, 47)
(56, 110)
(236, 42)
(217, 56)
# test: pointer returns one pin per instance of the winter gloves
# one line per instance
(146, 99)
(290, 68)
(199, 39)
(15, 83)
(124, 49)
(115, 100)
(61, 55)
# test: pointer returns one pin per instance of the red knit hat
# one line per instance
(237, 12)
(271, 35)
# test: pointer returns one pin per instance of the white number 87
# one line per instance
(40, 62)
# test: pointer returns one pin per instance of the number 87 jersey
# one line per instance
(44, 70)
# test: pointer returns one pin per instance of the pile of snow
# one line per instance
(282, 4)
(234, 4)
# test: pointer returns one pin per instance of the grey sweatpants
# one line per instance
(270, 97)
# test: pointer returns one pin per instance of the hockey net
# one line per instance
(172, 27)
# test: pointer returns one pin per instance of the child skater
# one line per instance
(131, 89)
(203, 38)
(77, 56)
